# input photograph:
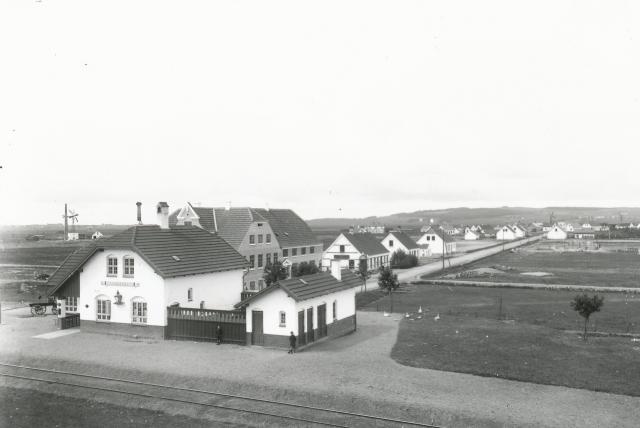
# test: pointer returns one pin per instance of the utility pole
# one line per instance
(443, 249)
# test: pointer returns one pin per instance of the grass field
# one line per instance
(579, 268)
(519, 334)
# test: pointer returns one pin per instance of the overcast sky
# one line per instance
(332, 108)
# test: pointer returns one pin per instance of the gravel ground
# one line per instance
(354, 372)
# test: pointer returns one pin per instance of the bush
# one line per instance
(402, 260)
(303, 269)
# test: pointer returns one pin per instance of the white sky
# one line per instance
(366, 106)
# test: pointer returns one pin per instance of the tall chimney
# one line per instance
(139, 205)
(163, 215)
(336, 269)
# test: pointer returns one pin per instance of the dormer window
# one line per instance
(391, 242)
(128, 266)
(112, 266)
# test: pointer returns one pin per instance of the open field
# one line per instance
(613, 269)
(526, 335)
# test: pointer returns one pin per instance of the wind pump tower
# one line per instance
(69, 215)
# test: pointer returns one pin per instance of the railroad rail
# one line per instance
(260, 407)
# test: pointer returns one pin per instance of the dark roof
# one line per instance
(405, 240)
(206, 217)
(233, 223)
(197, 251)
(290, 229)
(437, 231)
(366, 243)
(310, 286)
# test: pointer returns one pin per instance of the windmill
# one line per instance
(69, 214)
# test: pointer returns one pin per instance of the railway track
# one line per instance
(270, 411)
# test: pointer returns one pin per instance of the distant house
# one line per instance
(556, 232)
(348, 248)
(471, 235)
(73, 236)
(506, 233)
(438, 241)
(375, 229)
(312, 307)
(395, 241)
(547, 227)
(586, 226)
(519, 230)
(582, 234)
(97, 235)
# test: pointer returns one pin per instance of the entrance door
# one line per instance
(322, 320)
(301, 336)
(309, 325)
(257, 333)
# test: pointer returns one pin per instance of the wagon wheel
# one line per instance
(54, 309)
(41, 310)
(33, 310)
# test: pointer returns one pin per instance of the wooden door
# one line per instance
(309, 325)
(301, 335)
(257, 332)
(322, 320)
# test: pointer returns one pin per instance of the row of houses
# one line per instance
(349, 249)
(511, 232)
(194, 271)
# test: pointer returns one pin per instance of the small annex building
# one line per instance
(506, 233)
(395, 241)
(470, 234)
(556, 232)
(125, 284)
(519, 230)
(312, 307)
(347, 248)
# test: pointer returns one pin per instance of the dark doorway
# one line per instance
(257, 333)
(301, 336)
(309, 325)
(322, 320)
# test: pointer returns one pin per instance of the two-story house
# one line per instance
(348, 248)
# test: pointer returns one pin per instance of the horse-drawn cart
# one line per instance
(40, 308)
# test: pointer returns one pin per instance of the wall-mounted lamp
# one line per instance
(118, 298)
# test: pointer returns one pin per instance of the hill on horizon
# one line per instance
(489, 216)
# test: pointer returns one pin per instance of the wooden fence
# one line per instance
(70, 321)
(200, 325)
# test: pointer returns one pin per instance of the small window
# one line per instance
(342, 248)
(312, 250)
(391, 242)
(138, 311)
(71, 304)
(112, 266)
(128, 266)
(260, 239)
(252, 239)
(303, 251)
(285, 252)
(103, 309)
(335, 310)
(268, 259)
(259, 260)
(190, 294)
(268, 238)
(294, 252)
(260, 284)
(351, 264)
(252, 285)
(275, 257)
(283, 319)
(252, 262)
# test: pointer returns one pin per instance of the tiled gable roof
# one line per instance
(179, 251)
(366, 243)
(290, 229)
(310, 286)
(233, 224)
(405, 240)
(439, 232)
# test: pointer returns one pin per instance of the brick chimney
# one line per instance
(163, 215)
(139, 205)
(336, 269)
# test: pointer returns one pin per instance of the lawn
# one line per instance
(520, 334)
(577, 268)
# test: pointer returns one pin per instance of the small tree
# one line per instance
(304, 268)
(274, 272)
(402, 260)
(388, 281)
(363, 271)
(585, 306)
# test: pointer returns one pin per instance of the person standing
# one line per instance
(292, 344)
(218, 335)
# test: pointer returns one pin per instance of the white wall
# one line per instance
(505, 235)
(150, 288)
(349, 250)
(556, 233)
(219, 290)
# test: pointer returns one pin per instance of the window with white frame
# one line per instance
(112, 266)
(138, 311)
(335, 310)
(128, 266)
(71, 304)
(283, 319)
(190, 294)
(103, 308)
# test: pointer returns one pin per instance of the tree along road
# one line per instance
(457, 260)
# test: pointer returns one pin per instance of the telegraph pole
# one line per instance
(443, 249)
